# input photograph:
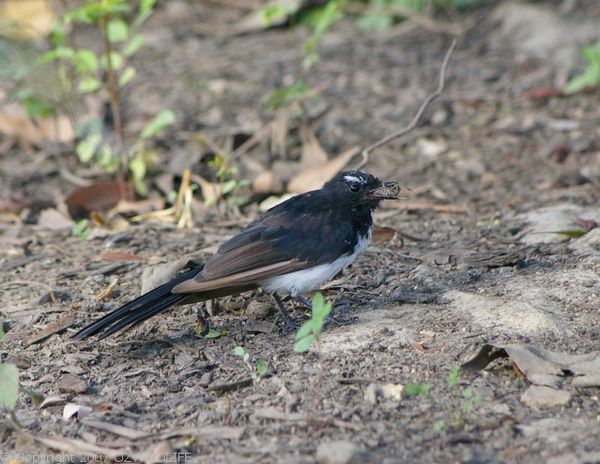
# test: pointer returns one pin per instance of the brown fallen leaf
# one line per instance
(100, 196)
(424, 205)
(314, 177)
(540, 366)
(313, 153)
(51, 329)
(31, 19)
(14, 123)
(543, 93)
(120, 256)
(382, 234)
(107, 292)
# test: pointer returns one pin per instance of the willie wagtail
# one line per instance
(292, 249)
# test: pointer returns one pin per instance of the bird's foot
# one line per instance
(336, 318)
(289, 322)
(341, 321)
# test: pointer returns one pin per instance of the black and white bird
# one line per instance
(292, 249)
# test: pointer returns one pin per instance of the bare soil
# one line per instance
(449, 282)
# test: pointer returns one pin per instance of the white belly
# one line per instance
(296, 283)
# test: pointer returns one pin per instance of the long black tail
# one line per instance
(138, 310)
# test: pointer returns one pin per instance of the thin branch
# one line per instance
(440, 88)
(113, 90)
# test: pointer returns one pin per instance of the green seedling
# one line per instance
(82, 229)
(311, 330)
(257, 370)
(591, 76)
(417, 389)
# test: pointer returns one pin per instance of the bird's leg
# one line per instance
(202, 323)
(303, 301)
(288, 320)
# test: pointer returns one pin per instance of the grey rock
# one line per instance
(339, 452)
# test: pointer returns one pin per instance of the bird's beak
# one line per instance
(388, 191)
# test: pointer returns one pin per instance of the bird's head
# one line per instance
(360, 188)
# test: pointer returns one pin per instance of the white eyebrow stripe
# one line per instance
(358, 180)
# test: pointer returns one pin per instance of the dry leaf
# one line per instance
(120, 256)
(211, 191)
(30, 19)
(382, 234)
(313, 153)
(50, 330)
(255, 21)
(75, 411)
(540, 366)
(107, 292)
(267, 182)
(313, 178)
(100, 196)
(15, 123)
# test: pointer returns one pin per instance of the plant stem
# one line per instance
(113, 90)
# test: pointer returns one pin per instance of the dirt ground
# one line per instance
(510, 164)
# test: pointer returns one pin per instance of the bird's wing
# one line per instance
(282, 241)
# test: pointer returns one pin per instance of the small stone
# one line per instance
(339, 452)
(69, 383)
(259, 309)
(540, 396)
(389, 391)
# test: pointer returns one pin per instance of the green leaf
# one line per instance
(375, 21)
(55, 54)
(147, 5)
(87, 147)
(88, 85)
(228, 187)
(126, 76)
(81, 229)
(304, 344)
(145, 11)
(270, 13)
(86, 61)
(94, 11)
(320, 309)
(9, 385)
(133, 45)
(36, 397)
(239, 351)
(138, 169)
(261, 367)
(454, 375)
(214, 333)
(117, 30)
(37, 107)
(305, 329)
(163, 119)
(414, 389)
(1, 331)
(116, 60)
(282, 97)
(439, 426)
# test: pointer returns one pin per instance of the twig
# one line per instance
(68, 445)
(417, 117)
(113, 90)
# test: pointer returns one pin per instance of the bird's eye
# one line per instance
(354, 187)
